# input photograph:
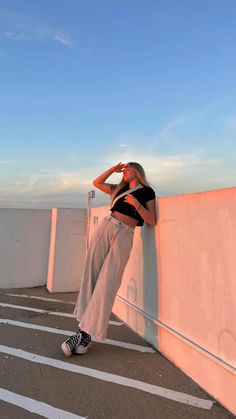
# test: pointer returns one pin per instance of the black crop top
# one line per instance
(143, 195)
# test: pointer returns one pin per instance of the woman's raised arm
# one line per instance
(99, 182)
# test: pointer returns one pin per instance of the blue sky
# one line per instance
(87, 84)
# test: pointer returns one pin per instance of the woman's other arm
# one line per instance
(149, 214)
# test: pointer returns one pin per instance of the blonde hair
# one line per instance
(140, 174)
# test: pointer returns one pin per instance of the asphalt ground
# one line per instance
(120, 377)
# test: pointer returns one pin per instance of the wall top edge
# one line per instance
(209, 191)
(41, 209)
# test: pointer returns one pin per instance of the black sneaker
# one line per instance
(69, 346)
(84, 344)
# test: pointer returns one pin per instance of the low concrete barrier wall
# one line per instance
(24, 247)
(67, 249)
(179, 290)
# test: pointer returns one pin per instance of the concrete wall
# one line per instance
(179, 288)
(42, 247)
(24, 247)
(67, 249)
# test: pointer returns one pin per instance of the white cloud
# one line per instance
(19, 27)
(169, 172)
(167, 166)
(16, 36)
(63, 39)
(46, 188)
(54, 180)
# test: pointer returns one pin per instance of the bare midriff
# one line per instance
(132, 222)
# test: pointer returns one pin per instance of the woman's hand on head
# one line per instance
(119, 167)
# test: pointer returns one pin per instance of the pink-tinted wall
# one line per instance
(179, 287)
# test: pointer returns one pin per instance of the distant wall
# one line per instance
(179, 290)
(42, 247)
(67, 249)
(24, 247)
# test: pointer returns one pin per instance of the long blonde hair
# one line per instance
(140, 174)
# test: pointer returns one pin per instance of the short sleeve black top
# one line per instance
(143, 195)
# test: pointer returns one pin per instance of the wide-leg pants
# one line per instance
(107, 256)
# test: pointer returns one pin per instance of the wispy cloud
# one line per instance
(46, 188)
(169, 172)
(169, 133)
(19, 27)
(16, 36)
(53, 180)
(168, 166)
(63, 39)
(175, 161)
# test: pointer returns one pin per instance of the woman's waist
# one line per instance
(130, 221)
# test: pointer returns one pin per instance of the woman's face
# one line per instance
(129, 173)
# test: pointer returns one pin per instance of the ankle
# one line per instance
(85, 333)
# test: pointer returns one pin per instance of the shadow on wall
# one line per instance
(150, 280)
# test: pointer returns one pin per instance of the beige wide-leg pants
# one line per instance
(107, 256)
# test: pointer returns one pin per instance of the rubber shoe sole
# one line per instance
(66, 350)
(80, 350)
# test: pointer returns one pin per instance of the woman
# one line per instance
(109, 251)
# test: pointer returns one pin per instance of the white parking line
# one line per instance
(35, 406)
(112, 378)
(54, 313)
(113, 342)
(40, 298)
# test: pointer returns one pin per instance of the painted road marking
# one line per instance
(113, 342)
(112, 378)
(54, 313)
(40, 298)
(35, 406)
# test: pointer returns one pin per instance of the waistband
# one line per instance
(119, 223)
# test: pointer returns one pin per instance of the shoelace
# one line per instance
(73, 340)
